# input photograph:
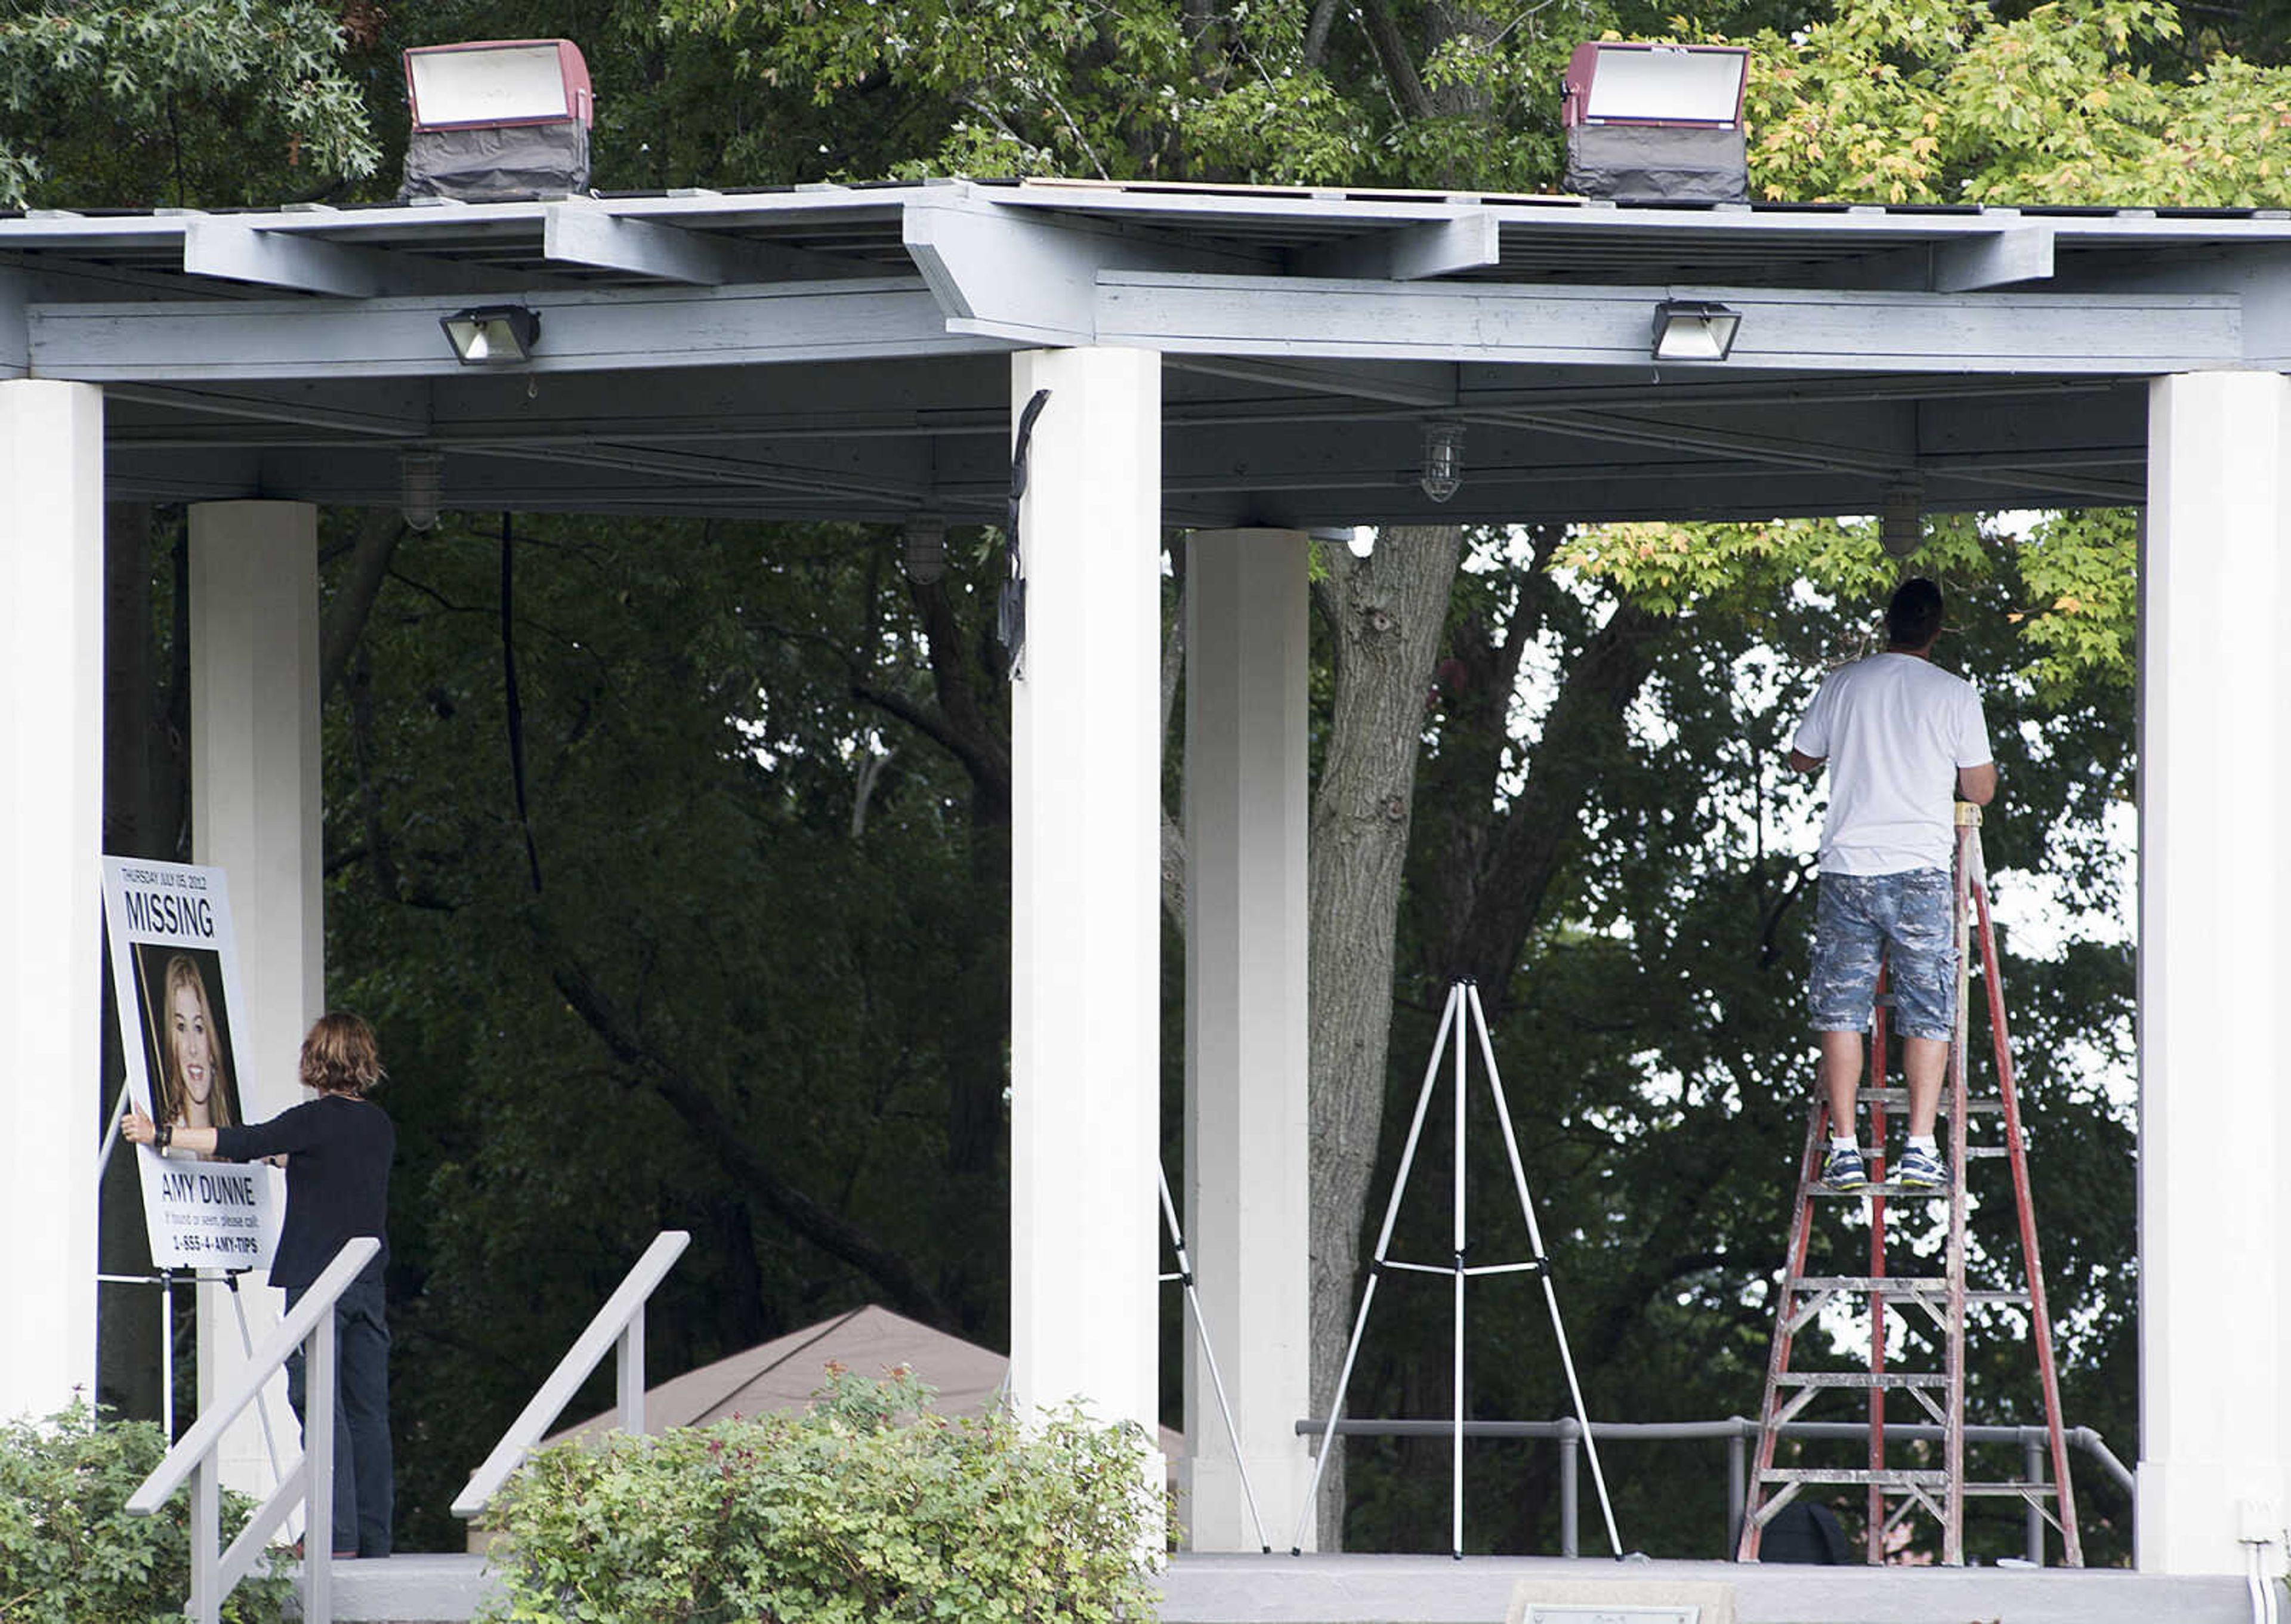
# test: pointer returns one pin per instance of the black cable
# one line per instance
(516, 710)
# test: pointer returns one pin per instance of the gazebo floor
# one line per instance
(1354, 1589)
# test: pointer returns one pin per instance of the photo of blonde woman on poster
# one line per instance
(188, 1038)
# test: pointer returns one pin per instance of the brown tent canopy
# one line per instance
(785, 1372)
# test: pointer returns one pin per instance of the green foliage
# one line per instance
(798, 907)
(69, 1554)
(2078, 576)
(194, 102)
(845, 1515)
(1943, 101)
(1157, 90)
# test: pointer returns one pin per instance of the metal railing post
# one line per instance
(206, 1542)
(630, 1374)
(319, 1470)
(2035, 1443)
(1738, 1483)
(1570, 1545)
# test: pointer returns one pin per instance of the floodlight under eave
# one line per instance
(492, 334)
(1694, 330)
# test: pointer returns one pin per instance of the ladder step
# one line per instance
(1897, 1096)
(1904, 1477)
(1900, 1285)
(1889, 1190)
(1852, 1379)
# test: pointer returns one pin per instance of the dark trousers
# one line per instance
(362, 1465)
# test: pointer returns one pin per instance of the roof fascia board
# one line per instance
(232, 251)
(594, 235)
(604, 331)
(998, 272)
(1555, 325)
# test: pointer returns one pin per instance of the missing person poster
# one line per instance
(176, 971)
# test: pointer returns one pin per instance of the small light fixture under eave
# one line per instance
(925, 549)
(1694, 330)
(1902, 528)
(1444, 459)
(421, 487)
(492, 334)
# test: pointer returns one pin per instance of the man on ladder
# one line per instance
(1902, 739)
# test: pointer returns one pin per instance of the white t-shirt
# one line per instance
(1894, 729)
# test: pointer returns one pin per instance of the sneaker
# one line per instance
(1921, 1169)
(1844, 1171)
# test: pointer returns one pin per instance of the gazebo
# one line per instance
(1249, 366)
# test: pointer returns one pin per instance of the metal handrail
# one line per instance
(1734, 1431)
(620, 1321)
(215, 1574)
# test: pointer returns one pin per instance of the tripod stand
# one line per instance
(1184, 1274)
(1463, 1005)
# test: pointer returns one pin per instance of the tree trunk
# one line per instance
(1386, 613)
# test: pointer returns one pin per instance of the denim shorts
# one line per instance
(1907, 919)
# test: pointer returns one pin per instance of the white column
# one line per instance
(256, 804)
(1085, 888)
(1247, 1190)
(51, 839)
(2214, 957)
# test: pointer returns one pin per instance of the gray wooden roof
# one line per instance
(839, 352)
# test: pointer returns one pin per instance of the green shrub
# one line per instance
(845, 1515)
(69, 1554)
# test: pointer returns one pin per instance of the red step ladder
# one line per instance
(1896, 1492)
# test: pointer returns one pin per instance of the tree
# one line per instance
(708, 971)
(180, 101)
(1939, 102)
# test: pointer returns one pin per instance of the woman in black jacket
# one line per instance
(338, 1149)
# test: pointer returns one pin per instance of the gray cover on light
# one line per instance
(1657, 164)
(498, 164)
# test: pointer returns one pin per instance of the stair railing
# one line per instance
(618, 1324)
(215, 1573)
